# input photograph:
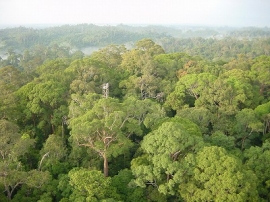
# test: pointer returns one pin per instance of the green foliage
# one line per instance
(263, 112)
(127, 192)
(257, 159)
(190, 90)
(91, 184)
(260, 73)
(221, 140)
(172, 126)
(166, 148)
(200, 116)
(53, 154)
(220, 177)
(11, 79)
(247, 124)
(110, 55)
(143, 79)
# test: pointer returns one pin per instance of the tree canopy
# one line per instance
(153, 114)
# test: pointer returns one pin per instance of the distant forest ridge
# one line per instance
(194, 40)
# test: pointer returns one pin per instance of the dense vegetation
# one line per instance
(169, 118)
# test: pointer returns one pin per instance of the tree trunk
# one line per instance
(9, 193)
(105, 166)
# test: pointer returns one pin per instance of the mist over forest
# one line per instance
(134, 113)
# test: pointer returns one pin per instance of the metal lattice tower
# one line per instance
(105, 90)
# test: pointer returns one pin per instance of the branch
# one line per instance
(111, 127)
(43, 157)
(3, 174)
(92, 146)
(107, 143)
(152, 183)
(175, 155)
(124, 121)
(13, 188)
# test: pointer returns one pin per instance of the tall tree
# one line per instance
(45, 98)
(165, 149)
(143, 79)
(263, 112)
(260, 74)
(257, 159)
(12, 173)
(105, 125)
(11, 80)
(110, 55)
(220, 177)
(247, 127)
(91, 185)
(99, 128)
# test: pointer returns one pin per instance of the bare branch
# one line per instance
(43, 157)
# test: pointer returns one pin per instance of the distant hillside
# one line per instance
(210, 42)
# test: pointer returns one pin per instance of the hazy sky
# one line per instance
(191, 12)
